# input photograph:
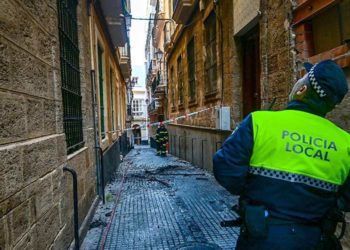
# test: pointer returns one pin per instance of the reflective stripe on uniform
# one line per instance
(291, 177)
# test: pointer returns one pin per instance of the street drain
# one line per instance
(197, 246)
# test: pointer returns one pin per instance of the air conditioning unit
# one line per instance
(223, 118)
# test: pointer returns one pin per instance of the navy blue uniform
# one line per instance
(295, 202)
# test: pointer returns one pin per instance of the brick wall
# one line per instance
(36, 196)
(304, 46)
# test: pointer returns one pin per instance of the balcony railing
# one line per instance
(125, 63)
(183, 10)
(169, 29)
(129, 110)
(124, 51)
(155, 83)
(152, 106)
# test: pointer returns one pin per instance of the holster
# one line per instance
(255, 221)
(252, 220)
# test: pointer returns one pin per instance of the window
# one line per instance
(118, 101)
(331, 28)
(111, 77)
(101, 89)
(191, 70)
(180, 80)
(321, 26)
(70, 74)
(137, 107)
(173, 87)
(210, 60)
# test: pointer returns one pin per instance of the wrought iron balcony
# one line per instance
(124, 51)
(152, 107)
(115, 17)
(183, 10)
(125, 64)
(169, 29)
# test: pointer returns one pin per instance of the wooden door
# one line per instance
(251, 72)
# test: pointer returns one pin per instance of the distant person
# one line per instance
(162, 140)
(291, 167)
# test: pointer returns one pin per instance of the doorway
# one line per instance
(137, 134)
(251, 71)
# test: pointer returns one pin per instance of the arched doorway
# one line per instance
(137, 134)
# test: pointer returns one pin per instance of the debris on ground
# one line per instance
(162, 203)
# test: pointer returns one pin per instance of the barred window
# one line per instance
(191, 70)
(70, 74)
(180, 80)
(101, 89)
(210, 60)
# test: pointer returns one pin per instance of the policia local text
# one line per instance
(313, 147)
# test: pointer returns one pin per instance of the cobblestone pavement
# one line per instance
(166, 203)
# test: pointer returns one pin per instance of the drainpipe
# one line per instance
(102, 181)
(75, 204)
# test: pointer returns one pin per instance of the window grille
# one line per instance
(210, 61)
(101, 88)
(70, 74)
(191, 70)
(180, 80)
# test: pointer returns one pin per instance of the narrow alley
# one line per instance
(248, 99)
(162, 203)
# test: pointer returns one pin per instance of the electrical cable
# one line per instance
(150, 19)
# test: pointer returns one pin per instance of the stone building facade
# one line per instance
(37, 138)
(257, 48)
(156, 62)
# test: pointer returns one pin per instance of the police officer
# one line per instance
(162, 140)
(290, 167)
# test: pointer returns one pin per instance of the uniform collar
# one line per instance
(298, 105)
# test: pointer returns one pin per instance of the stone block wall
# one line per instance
(277, 71)
(35, 194)
(277, 63)
(225, 63)
(194, 144)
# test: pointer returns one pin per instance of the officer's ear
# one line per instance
(302, 90)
